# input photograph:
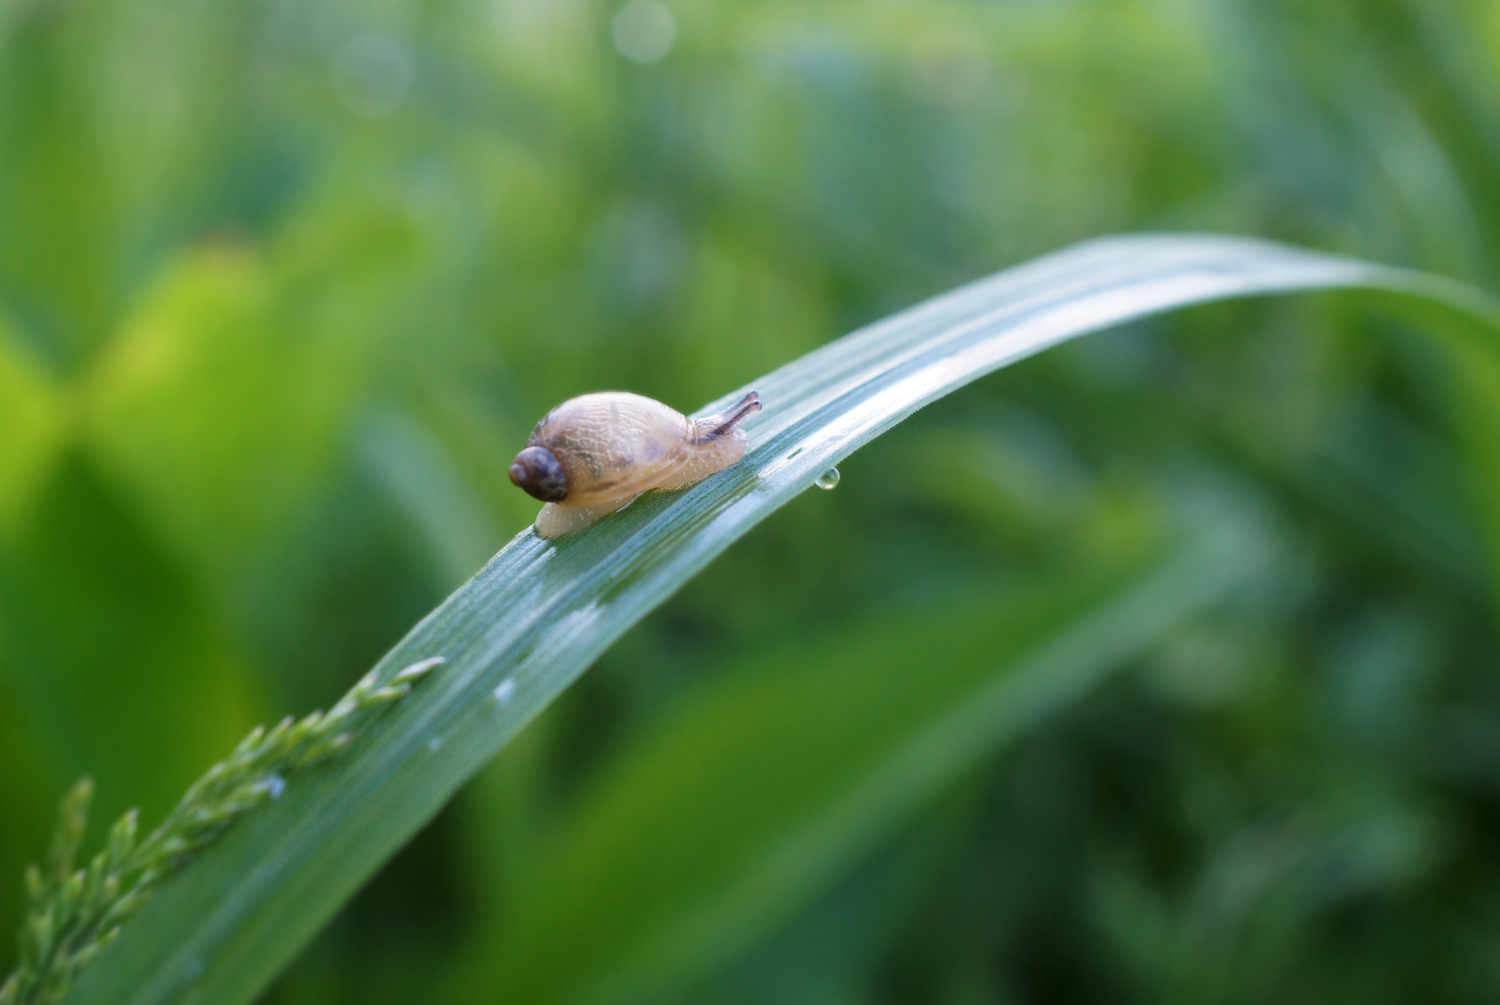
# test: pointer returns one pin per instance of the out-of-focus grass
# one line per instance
(264, 360)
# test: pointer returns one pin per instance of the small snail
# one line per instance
(594, 454)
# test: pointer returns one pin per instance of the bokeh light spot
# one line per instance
(644, 31)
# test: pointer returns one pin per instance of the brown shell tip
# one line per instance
(539, 473)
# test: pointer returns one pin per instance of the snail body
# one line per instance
(596, 453)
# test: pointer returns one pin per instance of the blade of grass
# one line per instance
(540, 612)
(748, 801)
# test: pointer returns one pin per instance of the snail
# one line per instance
(594, 454)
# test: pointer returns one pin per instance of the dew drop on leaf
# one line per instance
(272, 785)
(828, 479)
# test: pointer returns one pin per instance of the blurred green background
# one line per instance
(283, 287)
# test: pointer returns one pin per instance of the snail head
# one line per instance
(538, 471)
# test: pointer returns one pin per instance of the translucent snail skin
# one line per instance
(593, 454)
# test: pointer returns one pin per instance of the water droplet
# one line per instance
(505, 692)
(272, 785)
(828, 479)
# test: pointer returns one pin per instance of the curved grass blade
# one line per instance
(540, 612)
(732, 814)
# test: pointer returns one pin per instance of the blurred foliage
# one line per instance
(283, 287)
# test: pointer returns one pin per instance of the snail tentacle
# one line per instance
(725, 422)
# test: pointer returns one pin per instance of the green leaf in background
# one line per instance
(233, 383)
(530, 622)
(34, 417)
(78, 231)
(86, 577)
(1476, 410)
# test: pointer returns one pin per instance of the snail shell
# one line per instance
(594, 454)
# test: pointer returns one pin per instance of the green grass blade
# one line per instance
(539, 613)
(734, 812)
